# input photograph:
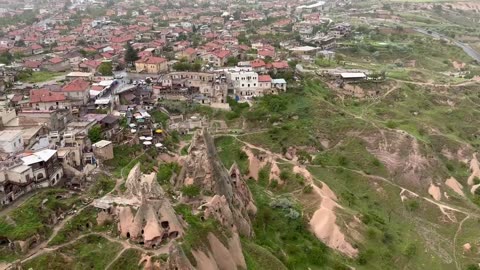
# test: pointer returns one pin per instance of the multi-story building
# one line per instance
(21, 175)
(151, 65)
(16, 179)
(77, 91)
(11, 141)
(243, 81)
(46, 168)
(210, 85)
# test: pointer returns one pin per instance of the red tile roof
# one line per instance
(266, 53)
(77, 85)
(190, 51)
(17, 98)
(56, 60)
(122, 39)
(280, 65)
(144, 54)
(44, 95)
(222, 53)
(97, 88)
(94, 64)
(36, 47)
(32, 64)
(257, 63)
(264, 78)
(152, 60)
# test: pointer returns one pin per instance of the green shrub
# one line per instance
(412, 205)
(191, 191)
(308, 189)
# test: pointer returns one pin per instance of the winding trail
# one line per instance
(116, 258)
(442, 206)
(377, 177)
(43, 246)
(455, 242)
(125, 244)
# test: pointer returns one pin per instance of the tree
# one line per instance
(81, 42)
(197, 66)
(131, 54)
(182, 37)
(6, 58)
(106, 68)
(20, 43)
(95, 133)
(232, 61)
(293, 64)
(181, 66)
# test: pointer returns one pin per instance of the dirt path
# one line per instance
(42, 247)
(17, 203)
(466, 83)
(116, 258)
(125, 244)
(455, 242)
(441, 205)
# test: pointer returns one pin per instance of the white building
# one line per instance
(47, 170)
(11, 141)
(280, 84)
(244, 81)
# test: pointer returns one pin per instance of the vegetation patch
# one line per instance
(258, 258)
(101, 186)
(40, 76)
(89, 252)
(230, 151)
(166, 171)
(198, 230)
(84, 222)
(124, 155)
(286, 237)
(35, 215)
(129, 260)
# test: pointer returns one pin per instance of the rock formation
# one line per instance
(144, 215)
(232, 201)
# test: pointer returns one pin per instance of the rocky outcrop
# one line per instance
(177, 259)
(232, 202)
(144, 214)
(143, 186)
(220, 255)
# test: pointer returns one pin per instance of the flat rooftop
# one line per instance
(9, 135)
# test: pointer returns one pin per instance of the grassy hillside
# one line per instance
(344, 139)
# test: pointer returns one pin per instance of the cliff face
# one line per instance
(225, 197)
(144, 214)
(231, 203)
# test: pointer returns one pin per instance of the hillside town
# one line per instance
(101, 70)
(251, 134)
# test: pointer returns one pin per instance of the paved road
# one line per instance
(465, 47)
